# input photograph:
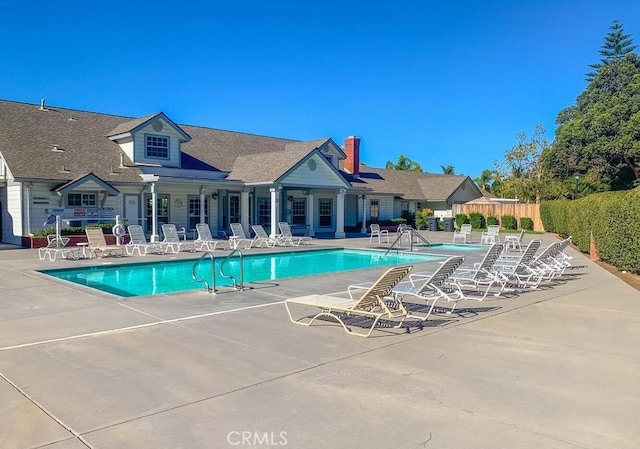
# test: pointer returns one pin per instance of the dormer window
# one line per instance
(82, 200)
(156, 147)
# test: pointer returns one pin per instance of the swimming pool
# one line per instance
(454, 247)
(170, 276)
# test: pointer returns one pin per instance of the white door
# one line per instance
(132, 209)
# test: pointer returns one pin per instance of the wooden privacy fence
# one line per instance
(497, 210)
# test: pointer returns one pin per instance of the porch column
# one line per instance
(310, 217)
(154, 213)
(244, 211)
(364, 214)
(340, 215)
(202, 204)
(276, 192)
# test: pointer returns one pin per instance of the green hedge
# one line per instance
(492, 221)
(614, 219)
(461, 219)
(477, 220)
(76, 230)
(526, 223)
(508, 222)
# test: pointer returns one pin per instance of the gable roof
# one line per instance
(412, 184)
(131, 126)
(86, 179)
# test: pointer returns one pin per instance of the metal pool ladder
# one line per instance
(212, 288)
(407, 232)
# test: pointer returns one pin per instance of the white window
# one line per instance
(264, 211)
(299, 211)
(374, 209)
(325, 212)
(81, 199)
(156, 147)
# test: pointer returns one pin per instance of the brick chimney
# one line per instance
(352, 150)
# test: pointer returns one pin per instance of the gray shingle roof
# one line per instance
(270, 166)
(28, 134)
(410, 184)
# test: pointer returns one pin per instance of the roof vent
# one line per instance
(42, 108)
(113, 172)
(71, 119)
(57, 148)
(64, 169)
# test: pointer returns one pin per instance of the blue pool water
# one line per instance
(158, 277)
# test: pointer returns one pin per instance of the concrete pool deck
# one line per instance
(555, 367)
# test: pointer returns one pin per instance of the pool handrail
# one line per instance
(411, 233)
(210, 288)
(226, 276)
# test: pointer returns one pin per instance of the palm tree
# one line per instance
(404, 163)
(486, 179)
(448, 170)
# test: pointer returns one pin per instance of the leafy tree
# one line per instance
(448, 170)
(486, 179)
(599, 137)
(616, 46)
(521, 172)
(403, 163)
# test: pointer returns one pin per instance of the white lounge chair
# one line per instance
(262, 238)
(289, 238)
(98, 244)
(172, 242)
(370, 305)
(432, 286)
(519, 269)
(491, 235)
(239, 238)
(481, 278)
(552, 261)
(377, 232)
(57, 246)
(463, 234)
(205, 240)
(138, 242)
(514, 242)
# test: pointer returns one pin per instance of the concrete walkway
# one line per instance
(558, 367)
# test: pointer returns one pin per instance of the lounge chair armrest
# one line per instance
(362, 286)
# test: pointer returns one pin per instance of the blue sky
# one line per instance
(444, 83)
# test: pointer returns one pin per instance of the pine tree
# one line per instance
(616, 46)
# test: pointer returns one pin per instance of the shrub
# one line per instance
(526, 223)
(491, 220)
(508, 222)
(613, 218)
(399, 221)
(410, 217)
(461, 219)
(422, 221)
(75, 230)
(477, 220)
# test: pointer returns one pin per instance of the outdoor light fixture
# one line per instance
(214, 196)
(290, 197)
